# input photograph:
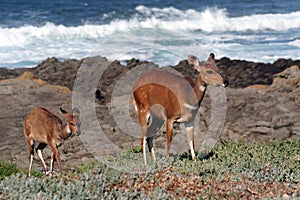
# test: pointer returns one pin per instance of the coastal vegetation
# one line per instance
(233, 171)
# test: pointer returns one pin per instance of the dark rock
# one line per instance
(239, 73)
(99, 96)
(56, 72)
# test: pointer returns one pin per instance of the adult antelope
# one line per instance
(164, 96)
(45, 128)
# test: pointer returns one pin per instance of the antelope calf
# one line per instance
(164, 96)
(45, 128)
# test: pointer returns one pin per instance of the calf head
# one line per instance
(73, 120)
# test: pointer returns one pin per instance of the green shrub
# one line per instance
(7, 169)
(136, 149)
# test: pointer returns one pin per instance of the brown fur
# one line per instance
(164, 95)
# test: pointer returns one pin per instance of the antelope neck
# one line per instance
(200, 88)
(200, 84)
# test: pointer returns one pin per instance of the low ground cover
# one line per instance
(232, 171)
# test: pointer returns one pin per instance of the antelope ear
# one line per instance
(75, 112)
(211, 58)
(193, 61)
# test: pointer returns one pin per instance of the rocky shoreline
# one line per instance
(262, 103)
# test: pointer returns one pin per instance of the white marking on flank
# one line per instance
(135, 106)
(188, 106)
(202, 88)
(188, 128)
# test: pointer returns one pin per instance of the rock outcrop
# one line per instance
(262, 104)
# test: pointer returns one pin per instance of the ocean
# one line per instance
(164, 32)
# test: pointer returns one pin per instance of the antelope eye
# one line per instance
(209, 72)
(72, 124)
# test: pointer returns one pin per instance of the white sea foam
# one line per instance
(295, 43)
(167, 29)
(212, 19)
(172, 19)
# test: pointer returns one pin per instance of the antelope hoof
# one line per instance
(48, 173)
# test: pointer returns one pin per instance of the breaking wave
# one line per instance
(31, 44)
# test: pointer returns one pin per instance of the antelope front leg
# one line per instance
(153, 127)
(143, 141)
(190, 137)
(169, 130)
(143, 117)
(143, 144)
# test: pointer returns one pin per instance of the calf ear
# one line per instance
(211, 58)
(75, 112)
(63, 111)
(193, 61)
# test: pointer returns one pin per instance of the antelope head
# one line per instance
(208, 71)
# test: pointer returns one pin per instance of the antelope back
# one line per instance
(163, 92)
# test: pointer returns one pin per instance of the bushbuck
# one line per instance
(45, 128)
(164, 96)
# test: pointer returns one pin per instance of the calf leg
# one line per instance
(30, 145)
(52, 161)
(39, 150)
(55, 155)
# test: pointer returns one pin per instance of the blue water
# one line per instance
(159, 31)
